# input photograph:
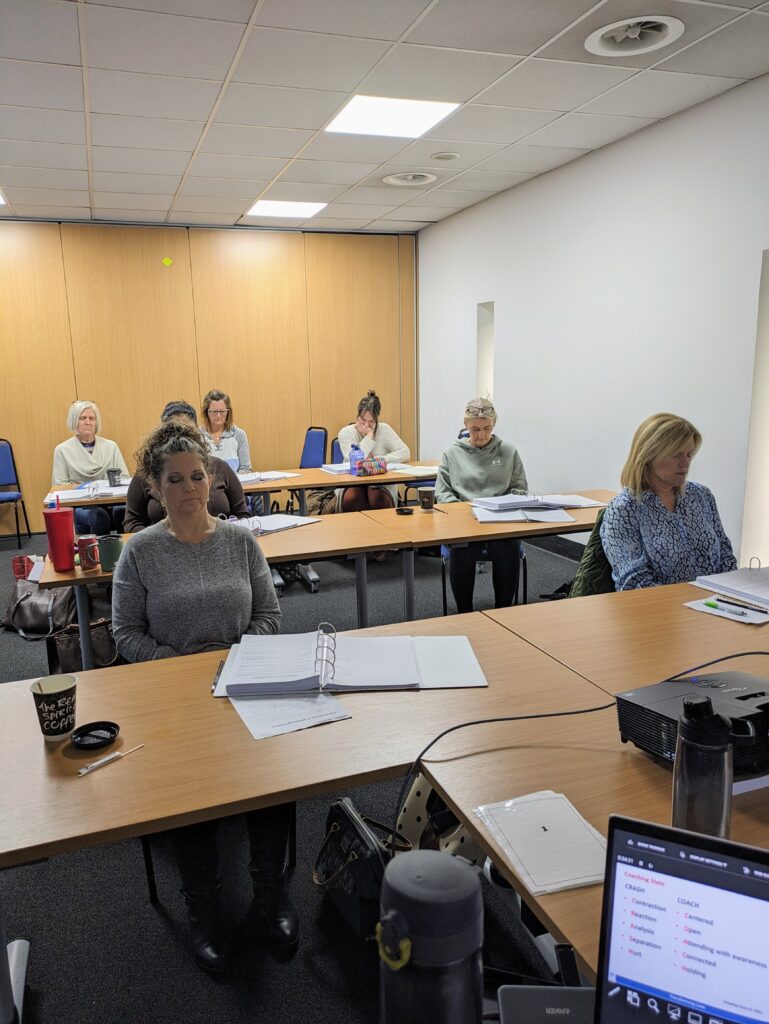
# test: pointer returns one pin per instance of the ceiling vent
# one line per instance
(410, 179)
(447, 155)
(634, 36)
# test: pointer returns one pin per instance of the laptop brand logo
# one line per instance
(557, 1009)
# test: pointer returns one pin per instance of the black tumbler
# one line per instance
(430, 934)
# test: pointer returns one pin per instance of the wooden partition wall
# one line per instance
(296, 327)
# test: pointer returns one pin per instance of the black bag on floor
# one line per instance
(36, 614)
(63, 648)
(351, 862)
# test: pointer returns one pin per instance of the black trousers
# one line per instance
(504, 556)
(197, 856)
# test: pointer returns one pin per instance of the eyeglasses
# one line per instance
(217, 412)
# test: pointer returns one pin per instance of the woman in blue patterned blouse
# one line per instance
(660, 528)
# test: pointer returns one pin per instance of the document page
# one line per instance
(283, 658)
(748, 584)
(486, 515)
(570, 501)
(548, 515)
(279, 715)
(447, 662)
(375, 663)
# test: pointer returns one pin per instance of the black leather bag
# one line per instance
(351, 863)
(65, 655)
(36, 614)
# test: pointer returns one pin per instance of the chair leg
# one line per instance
(443, 586)
(149, 868)
(26, 517)
(18, 534)
(525, 575)
(291, 864)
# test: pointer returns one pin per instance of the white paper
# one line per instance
(275, 523)
(105, 490)
(447, 662)
(276, 474)
(64, 496)
(748, 584)
(727, 612)
(403, 467)
(336, 467)
(375, 663)
(249, 478)
(523, 515)
(283, 657)
(548, 515)
(571, 501)
(279, 715)
(503, 502)
(548, 843)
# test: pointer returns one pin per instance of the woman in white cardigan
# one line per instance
(373, 437)
(85, 457)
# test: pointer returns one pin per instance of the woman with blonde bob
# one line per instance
(661, 528)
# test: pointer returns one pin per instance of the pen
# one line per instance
(216, 677)
(715, 604)
(87, 768)
(747, 607)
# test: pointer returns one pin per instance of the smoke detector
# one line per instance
(410, 179)
(447, 155)
(634, 36)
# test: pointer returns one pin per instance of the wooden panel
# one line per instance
(353, 317)
(37, 383)
(133, 328)
(409, 397)
(251, 317)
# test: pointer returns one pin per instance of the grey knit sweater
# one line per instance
(171, 598)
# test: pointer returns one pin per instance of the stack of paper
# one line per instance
(553, 515)
(428, 472)
(64, 496)
(336, 467)
(505, 502)
(751, 585)
(275, 523)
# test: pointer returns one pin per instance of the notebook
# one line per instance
(523, 515)
(505, 502)
(751, 585)
(275, 523)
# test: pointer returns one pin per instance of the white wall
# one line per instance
(623, 284)
(755, 526)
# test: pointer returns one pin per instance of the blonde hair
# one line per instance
(480, 409)
(75, 411)
(658, 437)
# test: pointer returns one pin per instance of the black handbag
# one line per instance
(65, 655)
(36, 614)
(351, 863)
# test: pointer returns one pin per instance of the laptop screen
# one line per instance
(684, 930)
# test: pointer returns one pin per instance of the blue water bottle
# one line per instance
(356, 457)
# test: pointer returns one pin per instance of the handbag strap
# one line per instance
(49, 616)
(322, 882)
(402, 844)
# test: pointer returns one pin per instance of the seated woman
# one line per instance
(225, 440)
(373, 438)
(194, 583)
(481, 465)
(85, 457)
(226, 497)
(660, 528)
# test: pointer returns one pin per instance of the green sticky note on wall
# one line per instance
(167, 261)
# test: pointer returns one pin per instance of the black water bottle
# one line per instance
(430, 934)
(703, 770)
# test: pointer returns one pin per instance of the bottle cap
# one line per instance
(701, 724)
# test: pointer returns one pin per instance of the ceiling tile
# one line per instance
(421, 151)
(742, 3)
(151, 216)
(334, 223)
(587, 131)
(42, 154)
(250, 168)
(304, 192)
(492, 124)
(43, 177)
(147, 184)
(354, 212)
(222, 10)
(553, 85)
(343, 17)
(442, 171)
(35, 124)
(121, 92)
(488, 181)
(46, 196)
(246, 141)
(277, 108)
(126, 201)
(161, 44)
(659, 93)
(39, 30)
(144, 132)
(738, 51)
(338, 147)
(209, 204)
(31, 84)
(55, 212)
(698, 19)
(425, 214)
(443, 197)
(139, 161)
(392, 196)
(532, 158)
(306, 59)
(429, 73)
(396, 225)
(203, 218)
(499, 26)
(326, 172)
(233, 188)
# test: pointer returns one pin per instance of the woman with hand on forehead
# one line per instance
(374, 437)
(481, 465)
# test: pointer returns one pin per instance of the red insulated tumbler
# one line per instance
(60, 527)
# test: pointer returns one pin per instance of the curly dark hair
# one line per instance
(170, 439)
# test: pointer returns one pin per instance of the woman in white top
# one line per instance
(85, 457)
(225, 440)
(373, 437)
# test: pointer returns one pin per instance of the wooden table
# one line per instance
(454, 523)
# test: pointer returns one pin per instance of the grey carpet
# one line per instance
(102, 954)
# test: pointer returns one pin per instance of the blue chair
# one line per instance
(336, 452)
(10, 478)
(523, 576)
(314, 450)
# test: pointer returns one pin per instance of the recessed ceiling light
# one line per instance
(379, 115)
(635, 35)
(274, 208)
(2, 200)
(410, 179)
(447, 155)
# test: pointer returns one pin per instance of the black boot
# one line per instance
(272, 914)
(205, 928)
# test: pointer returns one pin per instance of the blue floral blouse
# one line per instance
(649, 546)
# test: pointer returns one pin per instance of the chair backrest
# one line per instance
(314, 451)
(336, 452)
(594, 569)
(7, 465)
(464, 432)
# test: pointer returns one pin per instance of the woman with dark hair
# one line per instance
(225, 440)
(187, 584)
(226, 497)
(374, 437)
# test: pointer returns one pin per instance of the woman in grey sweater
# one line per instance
(194, 583)
(481, 466)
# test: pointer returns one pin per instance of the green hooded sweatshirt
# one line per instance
(466, 472)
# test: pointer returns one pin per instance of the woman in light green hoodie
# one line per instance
(481, 466)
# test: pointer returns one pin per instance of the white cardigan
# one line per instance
(74, 464)
(385, 443)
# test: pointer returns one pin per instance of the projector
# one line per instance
(648, 716)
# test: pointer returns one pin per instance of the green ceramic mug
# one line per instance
(110, 547)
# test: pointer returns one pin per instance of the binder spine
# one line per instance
(325, 654)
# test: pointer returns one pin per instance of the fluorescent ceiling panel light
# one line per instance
(2, 200)
(273, 208)
(378, 115)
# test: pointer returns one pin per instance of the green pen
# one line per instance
(727, 611)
